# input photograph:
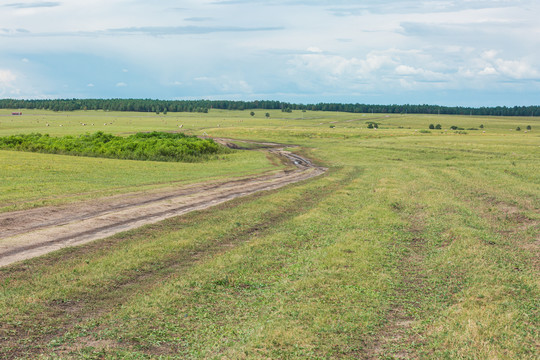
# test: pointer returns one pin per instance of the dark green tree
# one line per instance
(150, 105)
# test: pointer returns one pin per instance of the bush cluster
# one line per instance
(372, 125)
(155, 146)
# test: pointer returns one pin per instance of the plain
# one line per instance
(417, 243)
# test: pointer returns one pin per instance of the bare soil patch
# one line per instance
(29, 233)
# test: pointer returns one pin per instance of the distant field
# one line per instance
(61, 123)
(415, 244)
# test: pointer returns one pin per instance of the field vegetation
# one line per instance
(157, 146)
(420, 245)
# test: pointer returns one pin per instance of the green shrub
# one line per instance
(372, 124)
(157, 146)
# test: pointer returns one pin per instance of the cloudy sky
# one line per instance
(447, 52)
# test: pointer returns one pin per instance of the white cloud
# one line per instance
(90, 85)
(314, 49)
(7, 77)
(406, 70)
(335, 67)
(378, 70)
(488, 70)
(489, 54)
(516, 69)
(8, 83)
(377, 46)
(420, 74)
(488, 63)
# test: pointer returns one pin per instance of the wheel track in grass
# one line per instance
(394, 336)
(93, 305)
(29, 233)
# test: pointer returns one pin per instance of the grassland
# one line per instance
(418, 245)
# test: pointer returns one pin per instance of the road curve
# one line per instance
(29, 233)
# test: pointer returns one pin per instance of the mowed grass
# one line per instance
(418, 245)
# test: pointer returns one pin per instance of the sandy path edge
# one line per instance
(29, 233)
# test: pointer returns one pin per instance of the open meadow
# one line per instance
(416, 243)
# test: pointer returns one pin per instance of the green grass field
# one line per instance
(414, 244)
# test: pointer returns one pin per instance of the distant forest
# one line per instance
(164, 106)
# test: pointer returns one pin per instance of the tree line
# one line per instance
(164, 106)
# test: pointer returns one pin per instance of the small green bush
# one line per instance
(372, 124)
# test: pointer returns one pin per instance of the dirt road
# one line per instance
(29, 233)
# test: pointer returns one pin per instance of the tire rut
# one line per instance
(35, 232)
(97, 304)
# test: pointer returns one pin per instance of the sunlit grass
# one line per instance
(414, 244)
(31, 179)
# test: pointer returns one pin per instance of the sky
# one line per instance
(444, 52)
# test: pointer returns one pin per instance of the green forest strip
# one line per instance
(154, 146)
(164, 106)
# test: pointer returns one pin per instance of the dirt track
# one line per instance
(29, 233)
